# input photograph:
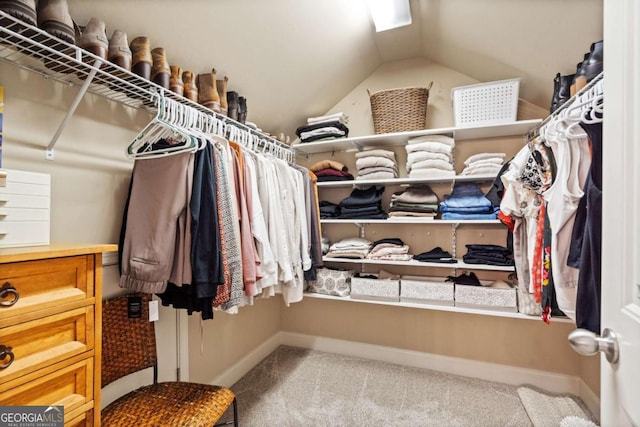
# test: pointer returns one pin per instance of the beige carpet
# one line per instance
(298, 387)
(549, 410)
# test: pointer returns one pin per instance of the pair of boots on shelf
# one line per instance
(213, 94)
(565, 87)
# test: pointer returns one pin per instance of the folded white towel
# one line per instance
(370, 162)
(482, 170)
(419, 156)
(432, 146)
(376, 153)
(351, 242)
(328, 120)
(431, 164)
(483, 156)
(433, 138)
(486, 162)
(334, 116)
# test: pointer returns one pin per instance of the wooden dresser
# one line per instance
(50, 328)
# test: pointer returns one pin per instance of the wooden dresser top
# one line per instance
(54, 250)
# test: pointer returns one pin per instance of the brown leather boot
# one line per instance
(24, 10)
(190, 89)
(141, 57)
(208, 91)
(119, 52)
(54, 18)
(160, 71)
(93, 38)
(175, 83)
(222, 94)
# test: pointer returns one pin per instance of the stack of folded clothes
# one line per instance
(467, 201)
(328, 210)
(324, 127)
(415, 201)
(392, 249)
(483, 164)
(352, 247)
(488, 254)
(430, 157)
(376, 164)
(436, 254)
(363, 204)
(330, 170)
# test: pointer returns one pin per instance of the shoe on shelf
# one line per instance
(175, 82)
(580, 79)
(556, 89)
(24, 10)
(232, 105)
(222, 94)
(190, 88)
(242, 109)
(561, 90)
(141, 57)
(208, 91)
(160, 71)
(119, 52)
(54, 18)
(595, 62)
(93, 38)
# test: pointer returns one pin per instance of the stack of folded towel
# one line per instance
(430, 156)
(363, 204)
(415, 201)
(376, 164)
(488, 254)
(436, 254)
(392, 249)
(330, 170)
(352, 247)
(328, 210)
(324, 127)
(467, 201)
(483, 164)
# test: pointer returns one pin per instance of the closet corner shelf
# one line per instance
(35, 50)
(413, 263)
(408, 181)
(479, 311)
(401, 138)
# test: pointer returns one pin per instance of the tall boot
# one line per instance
(190, 88)
(208, 91)
(55, 19)
(222, 94)
(242, 109)
(160, 71)
(142, 60)
(119, 52)
(175, 83)
(556, 89)
(232, 105)
(93, 38)
(24, 10)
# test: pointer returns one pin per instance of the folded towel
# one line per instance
(342, 117)
(482, 156)
(378, 176)
(431, 164)
(431, 146)
(433, 138)
(418, 156)
(373, 161)
(322, 132)
(368, 171)
(484, 162)
(376, 153)
(482, 170)
(351, 242)
(335, 125)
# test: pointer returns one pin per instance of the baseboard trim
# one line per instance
(553, 382)
(590, 399)
(244, 365)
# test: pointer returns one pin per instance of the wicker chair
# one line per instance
(129, 345)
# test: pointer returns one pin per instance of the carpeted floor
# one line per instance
(298, 387)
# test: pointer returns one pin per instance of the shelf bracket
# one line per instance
(49, 153)
(454, 228)
(361, 226)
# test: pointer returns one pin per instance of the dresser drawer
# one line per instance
(23, 214)
(45, 286)
(84, 420)
(27, 233)
(43, 342)
(70, 386)
(22, 201)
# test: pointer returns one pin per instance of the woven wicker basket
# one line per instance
(399, 110)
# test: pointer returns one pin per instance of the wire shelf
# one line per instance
(35, 50)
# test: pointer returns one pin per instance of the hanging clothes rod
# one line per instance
(534, 132)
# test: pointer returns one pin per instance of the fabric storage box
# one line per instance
(489, 103)
(502, 299)
(25, 199)
(375, 289)
(426, 290)
(399, 110)
(332, 282)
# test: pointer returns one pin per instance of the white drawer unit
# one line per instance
(25, 208)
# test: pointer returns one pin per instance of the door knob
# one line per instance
(587, 343)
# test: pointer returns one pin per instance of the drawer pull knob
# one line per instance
(6, 291)
(5, 352)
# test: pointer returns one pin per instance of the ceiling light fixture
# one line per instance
(389, 14)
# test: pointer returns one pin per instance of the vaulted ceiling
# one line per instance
(297, 58)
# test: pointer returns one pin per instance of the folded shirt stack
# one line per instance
(363, 204)
(330, 170)
(324, 127)
(415, 201)
(488, 254)
(483, 164)
(376, 164)
(392, 249)
(467, 201)
(430, 156)
(436, 254)
(329, 210)
(351, 247)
